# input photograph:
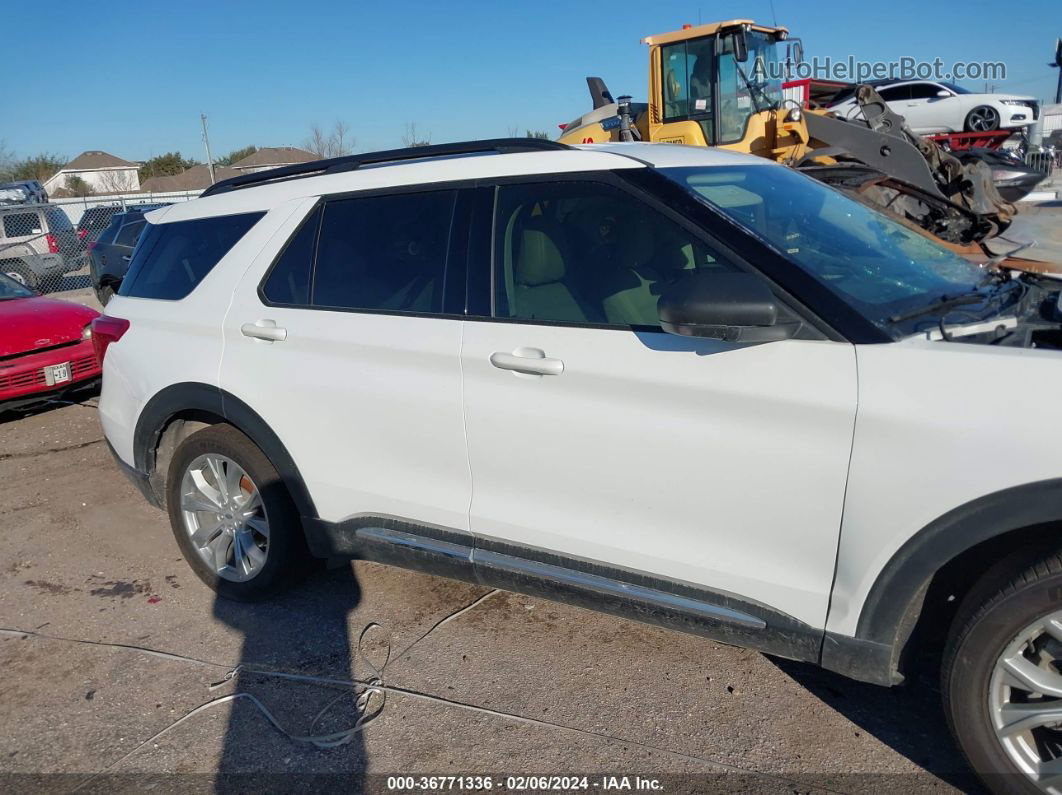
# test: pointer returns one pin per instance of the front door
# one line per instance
(595, 435)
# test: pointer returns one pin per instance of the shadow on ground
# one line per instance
(302, 633)
(909, 718)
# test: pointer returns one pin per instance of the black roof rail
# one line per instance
(335, 165)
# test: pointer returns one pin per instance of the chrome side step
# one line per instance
(606, 585)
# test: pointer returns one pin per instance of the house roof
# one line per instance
(194, 178)
(94, 158)
(275, 156)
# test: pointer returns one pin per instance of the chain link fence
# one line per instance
(51, 246)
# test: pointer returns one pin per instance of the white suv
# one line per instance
(677, 384)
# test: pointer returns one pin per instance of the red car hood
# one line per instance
(27, 324)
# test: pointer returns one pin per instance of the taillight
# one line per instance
(106, 330)
(53, 245)
(82, 234)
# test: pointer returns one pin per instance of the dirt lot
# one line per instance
(110, 646)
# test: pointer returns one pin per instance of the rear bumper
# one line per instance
(24, 376)
(136, 477)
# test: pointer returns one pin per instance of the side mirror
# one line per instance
(727, 306)
(741, 46)
(943, 93)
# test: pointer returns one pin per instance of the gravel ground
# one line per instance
(119, 670)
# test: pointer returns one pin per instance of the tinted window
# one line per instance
(173, 258)
(289, 280)
(107, 235)
(896, 93)
(924, 91)
(22, 225)
(583, 252)
(129, 234)
(58, 220)
(384, 252)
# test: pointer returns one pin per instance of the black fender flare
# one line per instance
(895, 600)
(194, 396)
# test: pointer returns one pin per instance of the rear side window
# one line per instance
(173, 258)
(58, 220)
(289, 280)
(129, 234)
(22, 225)
(107, 235)
(384, 253)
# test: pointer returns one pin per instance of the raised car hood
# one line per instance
(27, 324)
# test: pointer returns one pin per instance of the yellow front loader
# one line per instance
(721, 85)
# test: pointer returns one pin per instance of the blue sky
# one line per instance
(132, 77)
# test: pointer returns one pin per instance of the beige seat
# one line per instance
(539, 291)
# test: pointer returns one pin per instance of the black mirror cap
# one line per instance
(741, 45)
(727, 306)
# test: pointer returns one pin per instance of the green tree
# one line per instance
(39, 167)
(77, 186)
(236, 155)
(165, 165)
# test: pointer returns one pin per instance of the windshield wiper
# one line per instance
(944, 303)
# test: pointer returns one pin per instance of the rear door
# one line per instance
(339, 337)
(596, 436)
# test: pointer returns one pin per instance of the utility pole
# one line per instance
(206, 143)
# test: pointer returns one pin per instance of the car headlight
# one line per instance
(1014, 102)
(86, 333)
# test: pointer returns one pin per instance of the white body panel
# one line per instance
(695, 460)
(368, 405)
(940, 424)
(948, 114)
(171, 341)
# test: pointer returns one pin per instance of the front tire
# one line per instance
(1002, 676)
(232, 516)
(983, 118)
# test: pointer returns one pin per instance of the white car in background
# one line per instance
(938, 107)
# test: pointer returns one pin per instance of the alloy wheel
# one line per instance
(1025, 702)
(224, 517)
(984, 119)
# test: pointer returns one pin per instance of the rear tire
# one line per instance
(1003, 633)
(21, 273)
(247, 560)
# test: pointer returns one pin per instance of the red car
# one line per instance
(45, 346)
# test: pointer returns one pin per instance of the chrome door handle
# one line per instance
(529, 361)
(267, 330)
(126, 258)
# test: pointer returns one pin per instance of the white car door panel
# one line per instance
(367, 403)
(695, 460)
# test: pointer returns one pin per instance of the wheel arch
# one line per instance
(203, 404)
(966, 537)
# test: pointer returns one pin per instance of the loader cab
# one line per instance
(707, 83)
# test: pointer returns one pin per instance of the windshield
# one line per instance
(876, 265)
(747, 87)
(9, 289)
(955, 88)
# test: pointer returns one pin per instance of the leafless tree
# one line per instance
(116, 181)
(414, 137)
(336, 143)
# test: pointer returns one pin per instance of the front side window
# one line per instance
(130, 234)
(688, 76)
(896, 93)
(876, 265)
(587, 253)
(384, 253)
(172, 259)
(924, 91)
